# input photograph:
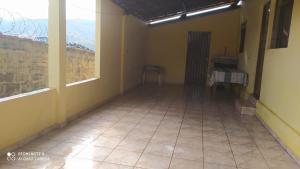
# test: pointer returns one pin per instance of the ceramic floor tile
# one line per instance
(66, 149)
(80, 164)
(217, 166)
(94, 153)
(54, 162)
(105, 141)
(241, 140)
(123, 157)
(163, 140)
(217, 147)
(191, 145)
(189, 153)
(140, 135)
(215, 138)
(277, 164)
(275, 153)
(190, 134)
(82, 141)
(219, 158)
(42, 144)
(160, 149)
(186, 164)
(266, 144)
(11, 167)
(113, 166)
(132, 145)
(251, 160)
(243, 149)
(192, 142)
(149, 161)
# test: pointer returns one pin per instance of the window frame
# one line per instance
(243, 37)
(282, 21)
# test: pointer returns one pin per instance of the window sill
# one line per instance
(82, 82)
(23, 95)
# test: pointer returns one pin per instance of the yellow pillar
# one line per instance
(98, 38)
(57, 57)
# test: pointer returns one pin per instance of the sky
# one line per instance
(38, 9)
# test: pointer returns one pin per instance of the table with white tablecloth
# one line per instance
(231, 76)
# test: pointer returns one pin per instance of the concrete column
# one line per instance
(57, 55)
(98, 39)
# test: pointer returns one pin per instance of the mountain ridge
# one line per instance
(79, 31)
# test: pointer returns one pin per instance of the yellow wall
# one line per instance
(279, 105)
(252, 13)
(134, 48)
(83, 96)
(167, 43)
(24, 117)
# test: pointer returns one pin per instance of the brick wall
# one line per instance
(24, 65)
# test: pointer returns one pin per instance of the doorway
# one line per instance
(198, 46)
(261, 50)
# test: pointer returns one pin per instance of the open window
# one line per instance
(23, 46)
(81, 37)
(282, 23)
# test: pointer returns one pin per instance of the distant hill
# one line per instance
(79, 31)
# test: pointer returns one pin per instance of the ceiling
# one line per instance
(148, 10)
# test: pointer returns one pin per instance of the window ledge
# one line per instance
(24, 95)
(82, 82)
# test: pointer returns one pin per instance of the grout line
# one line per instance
(110, 127)
(253, 140)
(282, 145)
(222, 121)
(145, 115)
(84, 146)
(149, 141)
(182, 120)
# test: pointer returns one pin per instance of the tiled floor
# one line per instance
(170, 128)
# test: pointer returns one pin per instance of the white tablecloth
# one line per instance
(228, 76)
